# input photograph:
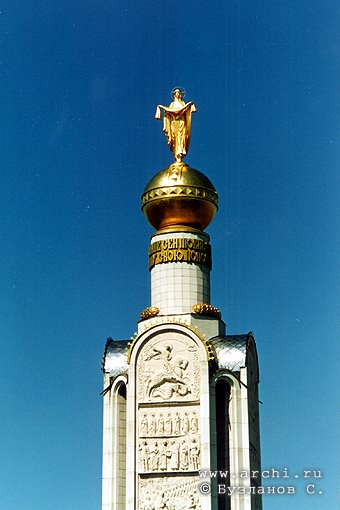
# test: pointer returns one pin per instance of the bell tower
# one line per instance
(181, 397)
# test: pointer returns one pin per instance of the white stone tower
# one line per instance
(180, 398)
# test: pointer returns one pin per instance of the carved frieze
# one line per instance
(172, 493)
(168, 422)
(171, 454)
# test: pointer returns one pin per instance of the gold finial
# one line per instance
(177, 123)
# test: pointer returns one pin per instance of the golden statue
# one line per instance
(177, 123)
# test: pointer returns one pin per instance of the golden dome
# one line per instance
(179, 195)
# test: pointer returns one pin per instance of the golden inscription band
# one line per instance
(189, 250)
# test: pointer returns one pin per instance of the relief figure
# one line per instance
(174, 375)
(163, 456)
(144, 425)
(154, 456)
(185, 423)
(160, 428)
(147, 503)
(168, 425)
(177, 427)
(164, 352)
(144, 455)
(194, 422)
(165, 504)
(152, 425)
(174, 455)
(193, 503)
(194, 454)
(184, 455)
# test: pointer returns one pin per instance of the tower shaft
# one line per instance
(180, 271)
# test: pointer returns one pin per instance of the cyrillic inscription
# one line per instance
(180, 250)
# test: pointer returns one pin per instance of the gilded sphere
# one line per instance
(179, 196)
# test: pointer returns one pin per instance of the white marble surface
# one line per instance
(177, 286)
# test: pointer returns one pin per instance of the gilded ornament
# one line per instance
(152, 311)
(205, 309)
(179, 195)
(177, 123)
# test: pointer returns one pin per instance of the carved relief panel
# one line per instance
(168, 370)
(174, 493)
(168, 423)
(169, 455)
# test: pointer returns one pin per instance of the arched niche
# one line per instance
(119, 400)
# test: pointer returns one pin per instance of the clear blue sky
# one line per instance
(79, 85)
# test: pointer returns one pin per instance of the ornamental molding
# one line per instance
(180, 191)
(154, 323)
